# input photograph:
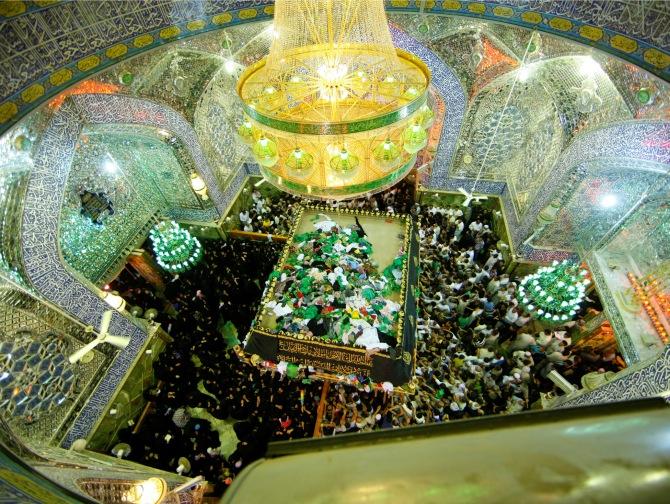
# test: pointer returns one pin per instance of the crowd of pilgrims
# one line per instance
(477, 353)
(202, 369)
(272, 215)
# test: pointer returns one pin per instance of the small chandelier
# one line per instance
(334, 110)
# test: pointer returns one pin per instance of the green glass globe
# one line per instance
(126, 78)
(300, 161)
(246, 132)
(265, 152)
(387, 154)
(415, 138)
(427, 116)
(410, 93)
(344, 162)
(643, 96)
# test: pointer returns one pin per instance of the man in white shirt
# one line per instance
(511, 316)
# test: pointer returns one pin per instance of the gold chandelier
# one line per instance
(334, 110)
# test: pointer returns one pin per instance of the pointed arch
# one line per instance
(43, 265)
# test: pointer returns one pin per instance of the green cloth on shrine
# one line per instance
(306, 285)
(346, 276)
(292, 370)
(369, 294)
(307, 312)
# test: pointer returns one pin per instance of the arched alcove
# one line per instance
(43, 263)
(633, 140)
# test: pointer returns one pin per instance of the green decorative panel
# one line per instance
(140, 173)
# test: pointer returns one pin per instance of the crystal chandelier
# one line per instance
(334, 110)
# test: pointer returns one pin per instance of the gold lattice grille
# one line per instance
(40, 391)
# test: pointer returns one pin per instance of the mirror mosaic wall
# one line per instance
(529, 96)
(138, 175)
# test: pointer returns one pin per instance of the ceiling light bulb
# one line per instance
(608, 201)
(523, 73)
(589, 66)
(230, 66)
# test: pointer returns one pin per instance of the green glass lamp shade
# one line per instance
(246, 132)
(387, 154)
(265, 152)
(300, 161)
(344, 162)
(415, 138)
(427, 116)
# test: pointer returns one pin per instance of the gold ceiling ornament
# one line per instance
(332, 96)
